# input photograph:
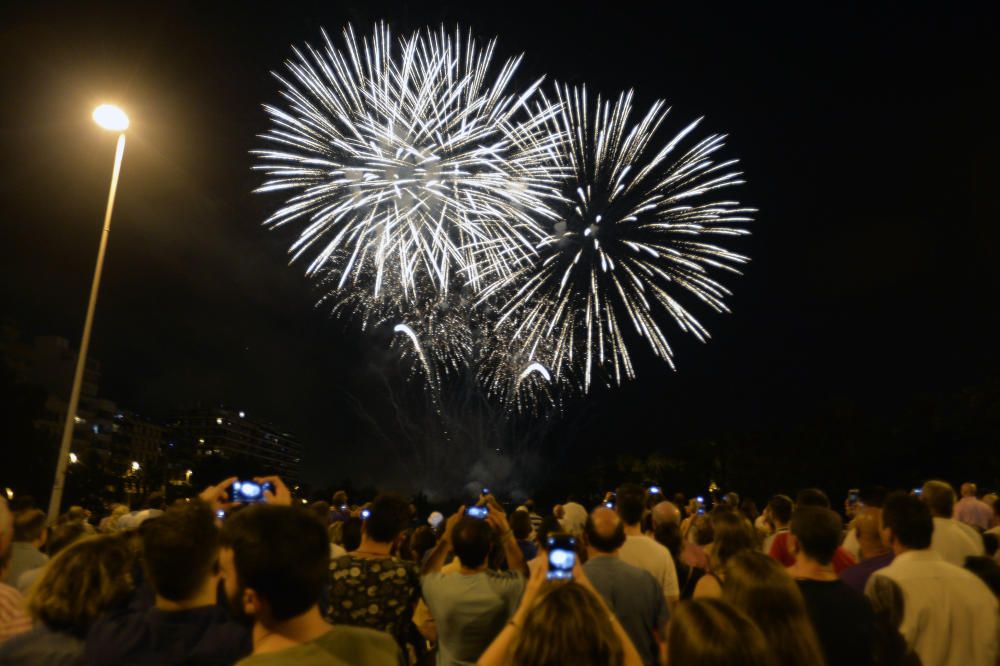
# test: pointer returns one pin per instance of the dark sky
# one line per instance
(868, 137)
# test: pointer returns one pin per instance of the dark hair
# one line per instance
(156, 500)
(605, 543)
(781, 508)
(817, 531)
(422, 540)
(62, 536)
(988, 571)
(909, 519)
(322, 511)
(389, 515)
(732, 536)
(282, 554)
(669, 536)
(631, 502)
(990, 543)
(812, 497)
(471, 540)
(29, 524)
(520, 524)
(940, 497)
(548, 525)
(350, 533)
(873, 497)
(339, 498)
(713, 632)
(180, 549)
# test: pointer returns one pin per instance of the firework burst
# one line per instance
(409, 163)
(633, 237)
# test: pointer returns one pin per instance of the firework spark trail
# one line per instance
(408, 159)
(631, 239)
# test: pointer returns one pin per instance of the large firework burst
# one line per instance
(632, 238)
(409, 161)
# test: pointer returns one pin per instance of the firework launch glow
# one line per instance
(529, 238)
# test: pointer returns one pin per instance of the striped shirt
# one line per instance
(14, 617)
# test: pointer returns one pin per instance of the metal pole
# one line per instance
(81, 361)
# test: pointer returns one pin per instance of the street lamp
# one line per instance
(110, 118)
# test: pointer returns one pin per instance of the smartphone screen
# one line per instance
(365, 514)
(248, 492)
(479, 512)
(562, 556)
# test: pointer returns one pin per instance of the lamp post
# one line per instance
(110, 118)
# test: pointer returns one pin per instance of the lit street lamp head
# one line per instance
(110, 117)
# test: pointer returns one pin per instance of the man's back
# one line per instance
(377, 593)
(205, 635)
(635, 597)
(23, 556)
(470, 610)
(973, 511)
(954, 541)
(647, 554)
(949, 615)
(843, 619)
(341, 646)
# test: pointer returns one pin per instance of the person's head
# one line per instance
(604, 531)
(760, 586)
(390, 513)
(812, 497)
(868, 529)
(713, 632)
(472, 540)
(29, 526)
(907, 523)
(6, 535)
(731, 536)
(630, 503)
(180, 551)
(669, 536)
(76, 514)
(339, 499)
(969, 489)
(350, 534)
(815, 534)
(62, 536)
(939, 497)
(666, 512)
(275, 560)
(988, 571)
(990, 543)
(422, 540)
(548, 525)
(749, 509)
(780, 507)
(322, 511)
(520, 524)
(84, 580)
(567, 625)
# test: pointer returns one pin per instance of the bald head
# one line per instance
(867, 526)
(939, 497)
(665, 513)
(605, 530)
(968, 489)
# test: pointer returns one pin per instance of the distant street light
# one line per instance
(111, 118)
(73, 458)
(135, 466)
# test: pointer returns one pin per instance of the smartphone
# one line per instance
(248, 492)
(220, 514)
(562, 556)
(853, 496)
(918, 491)
(654, 490)
(486, 491)
(343, 507)
(366, 514)
(479, 512)
(609, 504)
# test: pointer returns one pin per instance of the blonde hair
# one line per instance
(85, 579)
(567, 625)
(713, 632)
(759, 586)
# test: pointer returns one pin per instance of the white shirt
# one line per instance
(645, 553)
(950, 617)
(852, 545)
(954, 541)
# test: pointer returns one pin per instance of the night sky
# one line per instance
(867, 136)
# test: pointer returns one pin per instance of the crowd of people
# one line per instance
(895, 579)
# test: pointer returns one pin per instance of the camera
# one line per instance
(562, 556)
(479, 512)
(248, 492)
